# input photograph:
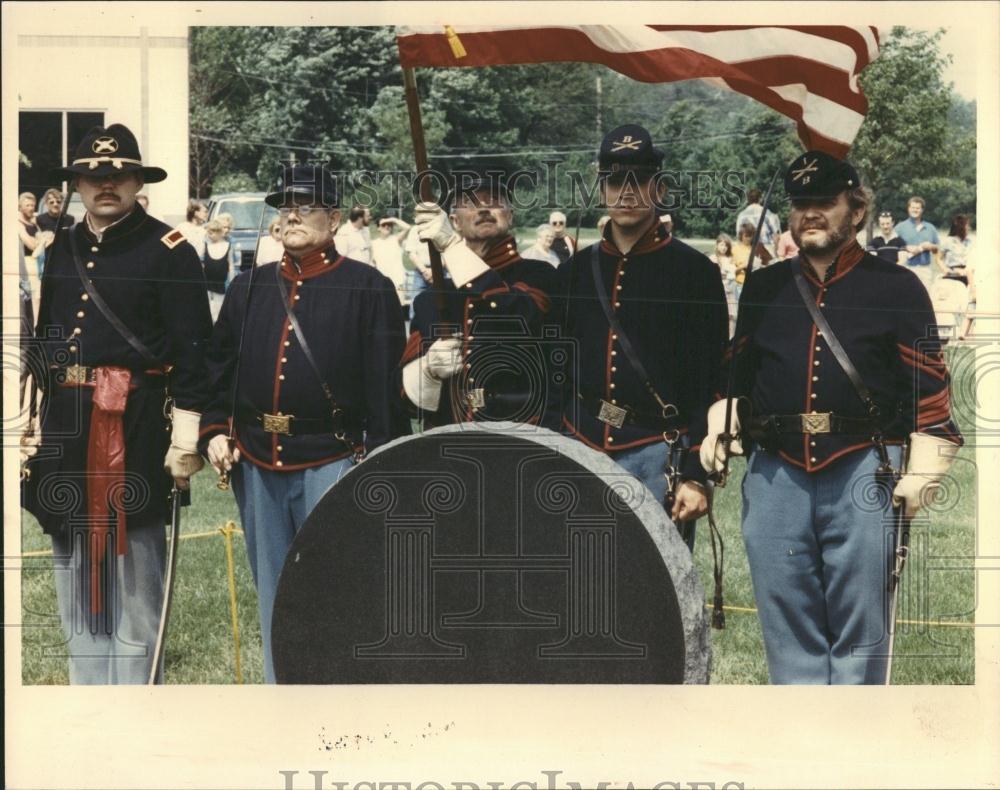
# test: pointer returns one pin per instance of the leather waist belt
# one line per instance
(617, 416)
(290, 425)
(83, 376)
(820, 422)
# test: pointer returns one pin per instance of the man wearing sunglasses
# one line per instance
(312, 369)
(649, 315)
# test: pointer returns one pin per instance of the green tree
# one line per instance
(917, 138)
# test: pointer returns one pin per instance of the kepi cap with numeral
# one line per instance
(816, 174)
(628, 147)
(106, 151)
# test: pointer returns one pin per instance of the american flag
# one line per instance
(807, 73)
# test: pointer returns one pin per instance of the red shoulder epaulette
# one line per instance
(172, 239)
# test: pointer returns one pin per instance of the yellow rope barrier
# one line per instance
(751, 610)
(188, 536)
(231, 529)
(227, 533)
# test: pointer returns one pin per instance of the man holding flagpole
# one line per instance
(471, 351)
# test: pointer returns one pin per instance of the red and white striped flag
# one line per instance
(808, 73)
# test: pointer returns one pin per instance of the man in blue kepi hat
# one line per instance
(838, 355)
(313, 368)
(649, 316)
(122, 327)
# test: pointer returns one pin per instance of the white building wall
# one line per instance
(135, 75)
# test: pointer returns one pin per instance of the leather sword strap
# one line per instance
(616, 328)
(335, 409)
(835, 347)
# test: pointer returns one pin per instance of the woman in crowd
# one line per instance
(217, 263)
(954, 293)
(723, 258)
(541, 250)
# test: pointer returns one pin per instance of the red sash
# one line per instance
(106, 469)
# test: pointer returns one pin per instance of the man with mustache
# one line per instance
(122, 326)
(472, 347)
(651, 328)
(830, 408)
(313, 382)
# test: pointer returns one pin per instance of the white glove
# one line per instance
(433, 225)
(183, 459)
(712, 453)
(930, 458)
(221, 454)
(31, 438)
(422, 377)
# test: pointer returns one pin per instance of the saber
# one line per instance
(901, 553)
(902, 533)
(720, 478)
(223, 484)
(168, 583)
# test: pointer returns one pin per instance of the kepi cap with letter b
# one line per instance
(104, 152)
(305, 184)
(816, 174)
(628, 147)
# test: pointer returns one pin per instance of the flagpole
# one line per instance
(420, 154)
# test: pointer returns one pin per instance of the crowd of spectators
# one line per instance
(944, 265)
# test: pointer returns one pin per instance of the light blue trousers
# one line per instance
(819, 547)
(648, 464)
(273, 507)
(115, 646)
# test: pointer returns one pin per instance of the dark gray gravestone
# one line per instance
(489, 553)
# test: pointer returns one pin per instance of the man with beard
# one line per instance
(831, 408)
(649, 354)
(478, 334)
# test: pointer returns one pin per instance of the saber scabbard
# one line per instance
(168, 585)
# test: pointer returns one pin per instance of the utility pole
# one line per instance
(597, 88)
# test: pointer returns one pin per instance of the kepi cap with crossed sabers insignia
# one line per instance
(816, 174)
(628, 147)
(107, 151)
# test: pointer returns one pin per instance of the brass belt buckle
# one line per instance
(611, 414)
(278, 423)
(76, 374)
(476, 398)
(817, 422)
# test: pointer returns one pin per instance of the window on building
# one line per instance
(48, 139)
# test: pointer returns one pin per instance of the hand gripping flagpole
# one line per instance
(420, 155)
(720, 478)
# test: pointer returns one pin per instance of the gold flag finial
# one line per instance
(454, 42)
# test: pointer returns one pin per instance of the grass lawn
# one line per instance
(934, 644)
